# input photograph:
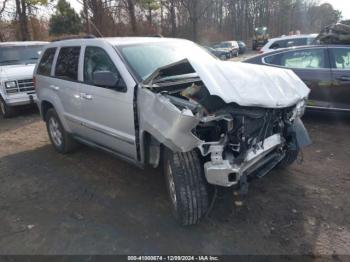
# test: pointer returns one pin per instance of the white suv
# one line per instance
(17, 62)
(288, 41)
(168, 102)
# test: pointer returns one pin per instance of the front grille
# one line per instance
(23, 86)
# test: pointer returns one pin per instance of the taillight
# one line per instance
(34, 82)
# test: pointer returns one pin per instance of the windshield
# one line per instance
(225, 45)
(146, 58)
(13, 55)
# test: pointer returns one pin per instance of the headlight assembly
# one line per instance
(11, 84)
(11, 87)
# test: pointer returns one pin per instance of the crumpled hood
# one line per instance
(13, 72)
(251, 85)
(241, 83)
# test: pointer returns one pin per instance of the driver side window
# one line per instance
(96, 59)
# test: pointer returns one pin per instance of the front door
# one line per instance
(108, 112)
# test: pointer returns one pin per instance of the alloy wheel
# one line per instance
(55, 132)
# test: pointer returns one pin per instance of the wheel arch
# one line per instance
(151, 150)
(46, 105)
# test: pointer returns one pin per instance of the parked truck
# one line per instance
(260, 37)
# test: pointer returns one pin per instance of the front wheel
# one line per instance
(290, 157)
(187, 187)
(223, 57)
(6, 110)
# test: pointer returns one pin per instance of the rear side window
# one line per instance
(67, 63)
(45, 65)
(296, 42)
(279, 44)
(341, 58)
(300, 59)
(289, 43)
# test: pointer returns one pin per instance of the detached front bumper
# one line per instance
(222, 173)
(20, 99)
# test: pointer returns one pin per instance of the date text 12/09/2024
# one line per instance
(173, 258)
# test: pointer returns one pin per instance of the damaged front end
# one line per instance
(177, 109)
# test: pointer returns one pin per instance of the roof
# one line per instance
(281, 50)
(137, 40)
(293, 37)
(23, 43)
(117, 41)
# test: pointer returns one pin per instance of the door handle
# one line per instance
(86, 96)
(55, 88)
(344, 78)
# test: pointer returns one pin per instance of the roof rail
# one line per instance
(74, 37)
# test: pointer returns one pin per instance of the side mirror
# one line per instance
(108, 80)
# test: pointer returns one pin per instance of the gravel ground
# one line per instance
(91, 203)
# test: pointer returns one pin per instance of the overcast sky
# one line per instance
(342, 5)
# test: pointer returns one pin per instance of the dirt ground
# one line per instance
(91, 203)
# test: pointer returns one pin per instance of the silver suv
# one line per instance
(169, 103)
(17, 62)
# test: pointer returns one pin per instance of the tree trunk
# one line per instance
(150, 15)
(131, 11)
(194, 29)
(21, 10)
(86, 13)
(173, 18)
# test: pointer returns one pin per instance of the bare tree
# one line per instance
(196, 9)
(21, 9)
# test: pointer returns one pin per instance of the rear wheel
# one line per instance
(6, 110)
(60, 139)
(187, 187)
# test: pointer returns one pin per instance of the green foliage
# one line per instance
(150, 4)
(65, 21)
(37, 2)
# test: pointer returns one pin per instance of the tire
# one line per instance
(60, 139)
(5, 110)
(187, 187)
(290, 157)
(223, 57)
(254, 47)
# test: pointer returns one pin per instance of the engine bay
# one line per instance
(237, 129)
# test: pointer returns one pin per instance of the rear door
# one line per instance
(340, 60)
(65, 85)
(313, 67)
(108, 113)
